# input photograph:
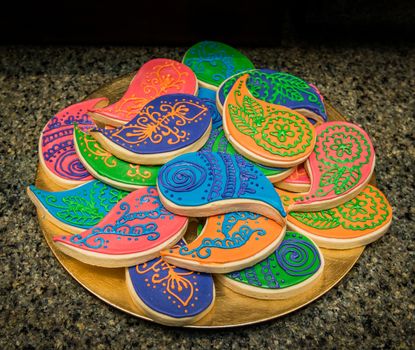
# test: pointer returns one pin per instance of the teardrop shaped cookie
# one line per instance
(134, 231)
(79, 208)
(109, 169)
(155, 78)
(168, 294)
(266, 133)
(206, 184)
(228, 243)
(213, 62)
(166, 127)
(292, 269)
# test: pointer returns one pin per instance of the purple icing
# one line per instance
(157, 284)
(165, 124)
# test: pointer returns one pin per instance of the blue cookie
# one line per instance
(166, 127)
(77, 209)
(206, 184)
(169, 294)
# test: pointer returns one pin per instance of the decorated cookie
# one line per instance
(217, 142)
(109, 169)
(155, 78)
(214, 62)
(297, 181)
(279, 88)
(358, 222)
(77, 209)
(267, 134)
(209, 99)
(166, 127)
(339, 168)
(289, 271)
(168, 294)
(206, 184)
(228, 242)
(56, 150)
(134, 231)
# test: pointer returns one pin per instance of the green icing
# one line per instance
(295, 261)
(367, 210)
(111, 167)
(214, 62)
(218, 142)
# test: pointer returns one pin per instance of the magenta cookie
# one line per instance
(57, 154)
(133, 232)
(340, 166)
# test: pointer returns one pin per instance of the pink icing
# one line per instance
(155, 78)
(298, 177)
(56, 141)
(138, 223)
(342, 160)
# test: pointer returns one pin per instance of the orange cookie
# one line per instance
(268, 134)
(360, 221)
(228, 243)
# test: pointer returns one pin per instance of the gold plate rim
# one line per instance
(338, 262)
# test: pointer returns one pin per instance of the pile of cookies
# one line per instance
(249, 152)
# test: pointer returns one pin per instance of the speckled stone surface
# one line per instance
(41, 306)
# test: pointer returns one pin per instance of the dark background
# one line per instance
(175, 22)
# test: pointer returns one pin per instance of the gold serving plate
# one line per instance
(230, 309)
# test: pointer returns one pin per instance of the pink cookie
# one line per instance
(133, 232)
(297, 181)
(155, 78)
(340, 166)
(57, 154)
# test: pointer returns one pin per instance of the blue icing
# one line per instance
(209, 99)
(165, 124)
(292, 92)
(83, 206)
(217, 142)
(196, 179)
(171, 290)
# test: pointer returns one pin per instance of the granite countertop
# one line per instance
(41, 306)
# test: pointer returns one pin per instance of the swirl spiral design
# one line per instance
(68, 165)
(182, 176)
(297, 257)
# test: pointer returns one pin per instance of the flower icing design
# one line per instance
(340, 148)
(282, 131)
(172, 279)
(356, 207)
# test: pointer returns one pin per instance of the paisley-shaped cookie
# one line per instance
(217, 142)
(166, 127)
(265, 133)
(79, 208)
(168, 294)
(56, 150)
(213, 62)
(297, 181)
(109, 169)
(358, 222)
(205, 184)
(289, 271)
(279, 88)
(340, 166)
(157, 77)
(209, 99)
(228, 243)
(134, 231)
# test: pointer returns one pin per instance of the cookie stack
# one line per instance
(248, 152)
